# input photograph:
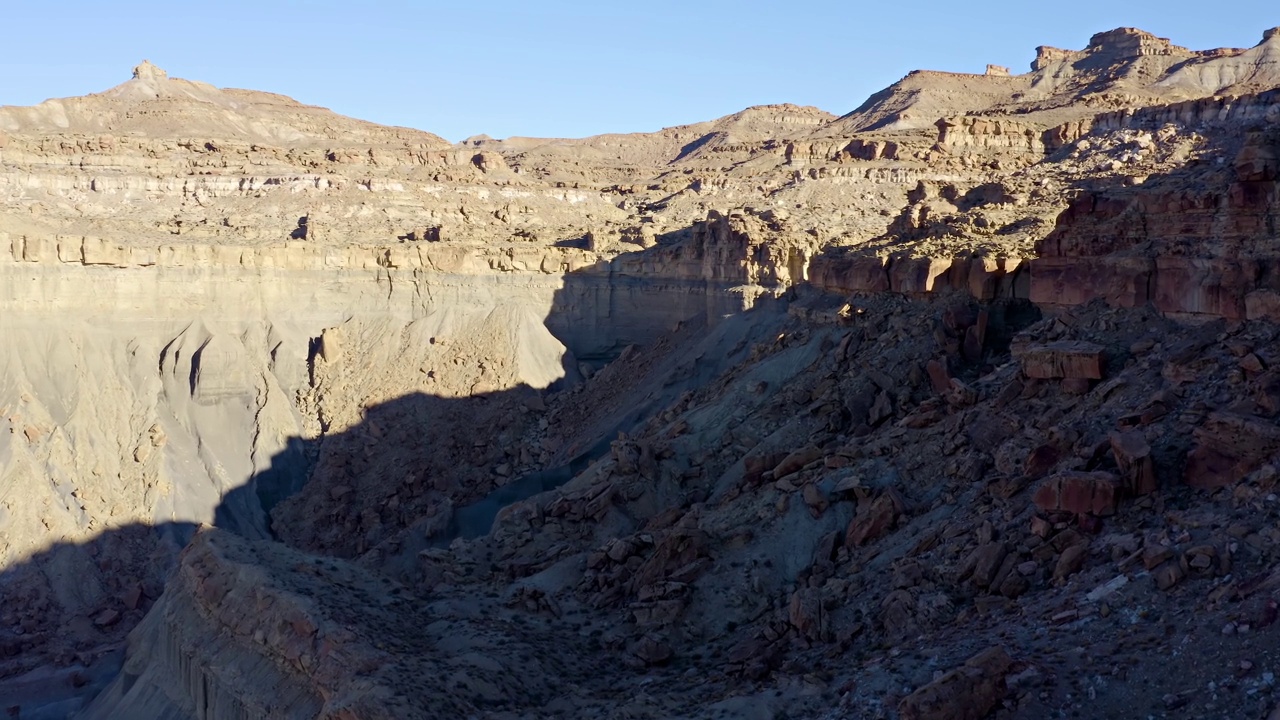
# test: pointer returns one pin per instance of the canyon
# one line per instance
(960, 405)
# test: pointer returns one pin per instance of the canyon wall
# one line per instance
(177, 385)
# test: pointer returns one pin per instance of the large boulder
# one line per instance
(967, 693)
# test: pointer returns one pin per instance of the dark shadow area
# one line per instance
(578, 243)
(692, 147)
(300, 232)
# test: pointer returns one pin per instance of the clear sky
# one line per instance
(567, 68)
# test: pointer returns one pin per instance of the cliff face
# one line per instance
(1198, 241)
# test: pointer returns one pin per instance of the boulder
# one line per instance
(807, 614)
(1228, 447)
(1070, 562)
(1063, 359)
(792, 463)
(1082, 493)
(967, 693)
(1133, 456)
(874, 519)
(650, 650)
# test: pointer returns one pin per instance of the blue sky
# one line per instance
(567, 69)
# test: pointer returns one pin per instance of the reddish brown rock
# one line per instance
(1252, 364)
(1262, 305)
(1070, 562)
(1040, 461)
(967, 693)
(1064, 359)
(1069, 281)
(1041, 527)
(957, 318)
(795, 461)
(873, 519)
(1154, 555)
(1194, 286)
(1267, 395)
(939, 378)
(1078, 492)
(1133, 456)
(961, 395)
(849, 274)
(972, 345)
(1228, 447)
(1202, 559)
(807, 615)
(815, 499)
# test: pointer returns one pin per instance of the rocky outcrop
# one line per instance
(966, 693)
(990, 136)
(984, 278)
(1189, 249)
(254, 630)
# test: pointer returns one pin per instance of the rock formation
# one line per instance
(961, 405)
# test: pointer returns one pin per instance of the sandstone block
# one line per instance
(96, 251)
(1133, 456)
(107, 618)
(755, 466)
(914, 276)
(849, 275)
(1078, 492)
(1228, 447)
(1154, 555)
(1063, 359)
(39, 249)
(975, 337)
(1168, 575)
(984, 278)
